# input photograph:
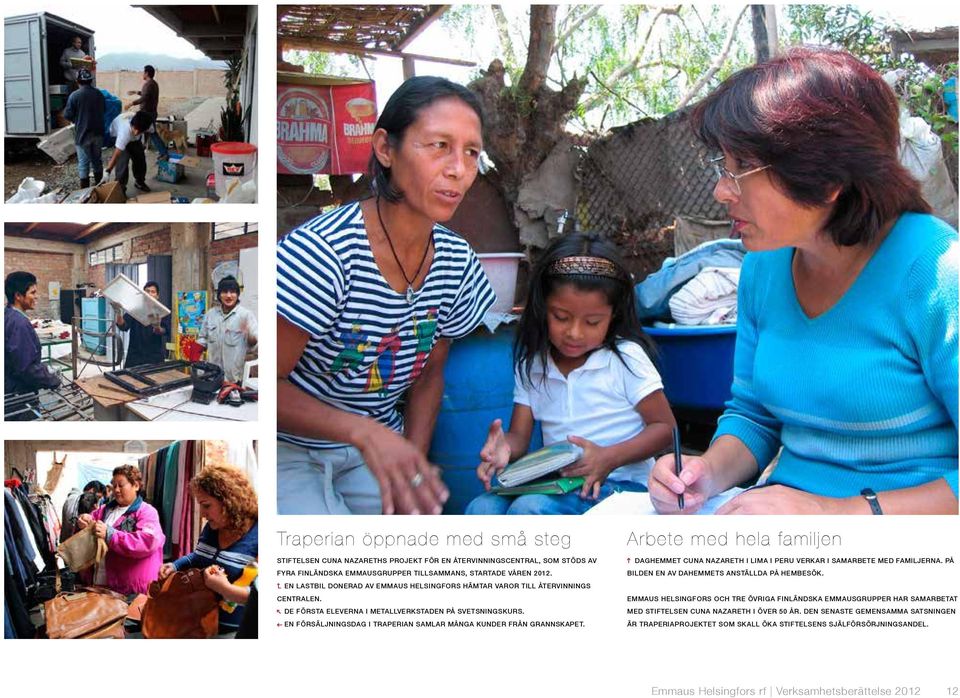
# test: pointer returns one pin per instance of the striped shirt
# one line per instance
(367, 344)
(239, 555)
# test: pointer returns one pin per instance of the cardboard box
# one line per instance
(171, 172)
(191, 161)
(153, 197)
(109, 193)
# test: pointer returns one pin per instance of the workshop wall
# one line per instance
(47, 267)
(228, 250)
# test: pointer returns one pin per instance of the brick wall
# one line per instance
(151, 243)
(228, 250)
(97, 275)
(47, 267)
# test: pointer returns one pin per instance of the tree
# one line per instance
(638, 60)
(867, 36)
(525, 120)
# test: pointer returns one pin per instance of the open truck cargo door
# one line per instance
(36, 89)
(23, 76)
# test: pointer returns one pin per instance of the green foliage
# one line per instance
(867, 37)
(232, 118)
(334, 64)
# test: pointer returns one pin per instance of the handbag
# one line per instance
(180, 606)
(83, 549)
(89, 612)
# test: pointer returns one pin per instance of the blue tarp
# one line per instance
(111, 111)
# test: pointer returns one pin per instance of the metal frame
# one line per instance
(143, 373)
(66, 403)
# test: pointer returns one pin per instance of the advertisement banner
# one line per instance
(325, 129)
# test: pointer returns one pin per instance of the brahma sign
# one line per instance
(325, 129)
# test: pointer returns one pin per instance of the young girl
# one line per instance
(582, 369)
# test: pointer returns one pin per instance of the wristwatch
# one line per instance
(871, 498)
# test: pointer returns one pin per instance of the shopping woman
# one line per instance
(846, 351)
(227, 549)
(131, 529)
(369, 296)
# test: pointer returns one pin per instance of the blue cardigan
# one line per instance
(864, 395)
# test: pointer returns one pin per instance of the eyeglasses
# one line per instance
(720, 172)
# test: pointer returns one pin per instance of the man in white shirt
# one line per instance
(128, 150)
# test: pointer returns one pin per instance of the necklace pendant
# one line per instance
(411, 295)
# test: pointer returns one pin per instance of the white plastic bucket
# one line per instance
(233, 164)
(501, 268)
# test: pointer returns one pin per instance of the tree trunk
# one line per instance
(523, 123)
(761, 42)
(542, 34)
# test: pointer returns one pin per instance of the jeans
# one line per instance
(132, 157)
(569, 503)
(88, 158)
(159, 144)
(325, 481)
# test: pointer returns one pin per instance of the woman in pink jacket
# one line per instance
(131, 528)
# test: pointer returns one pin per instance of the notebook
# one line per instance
(539, 463)
(548, 485)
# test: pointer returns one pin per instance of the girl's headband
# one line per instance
(583, 266)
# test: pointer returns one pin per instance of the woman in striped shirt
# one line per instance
(369, 296)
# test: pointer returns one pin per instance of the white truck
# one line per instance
(35, 88)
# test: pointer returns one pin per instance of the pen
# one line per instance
(678, 462)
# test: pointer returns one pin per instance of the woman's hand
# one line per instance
(409, 484)
(494, 455)
(694, 483)
(779, 499)
(215, 578)
(100, 529)
(166, 570)
(593, 467)
(83, 521)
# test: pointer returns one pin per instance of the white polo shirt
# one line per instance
(596, 401)
(121, 130)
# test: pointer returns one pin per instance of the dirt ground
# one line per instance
(34, 163)
(39, 166)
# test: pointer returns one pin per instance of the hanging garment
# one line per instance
(170, 492)
(27, 539)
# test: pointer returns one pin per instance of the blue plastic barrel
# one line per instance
(696, 364)
(478, 388)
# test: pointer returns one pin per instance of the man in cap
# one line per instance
(228, 331)
(85, 109)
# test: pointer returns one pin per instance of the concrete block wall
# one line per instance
(47, 267)
(174, 84)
